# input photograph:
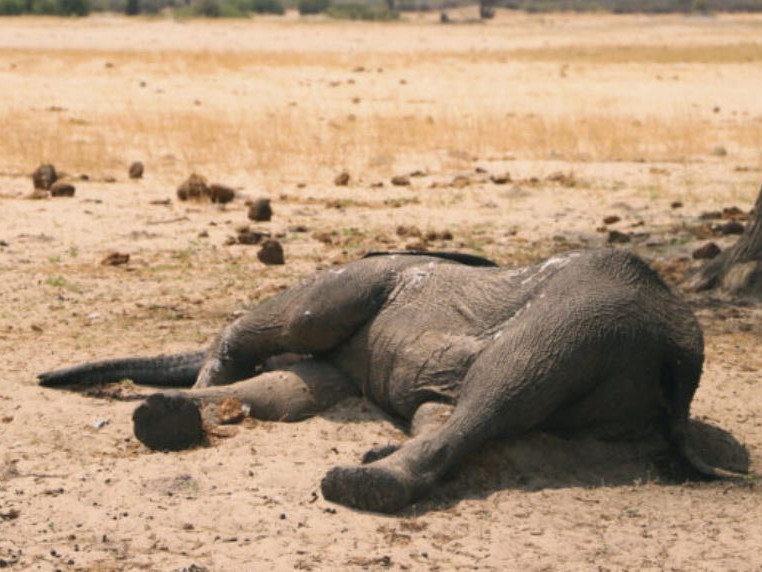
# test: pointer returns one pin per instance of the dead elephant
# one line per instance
(587, 343)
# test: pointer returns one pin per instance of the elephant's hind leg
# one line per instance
(172, 421)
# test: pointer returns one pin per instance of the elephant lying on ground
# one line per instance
(589, 343)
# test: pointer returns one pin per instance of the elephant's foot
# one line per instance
(366, 487)
(168, 423)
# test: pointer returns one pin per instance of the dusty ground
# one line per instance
(655, 120)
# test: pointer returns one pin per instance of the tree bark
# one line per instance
(737, 270)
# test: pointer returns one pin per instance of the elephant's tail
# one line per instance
(680, 379)
(177, 370)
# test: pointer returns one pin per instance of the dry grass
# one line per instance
(280, 108)
(207, 61)
(300, 142)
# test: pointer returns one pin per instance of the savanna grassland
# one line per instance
(516, 139)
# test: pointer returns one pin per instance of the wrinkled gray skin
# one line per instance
(587, 343)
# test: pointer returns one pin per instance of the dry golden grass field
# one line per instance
(653, 119)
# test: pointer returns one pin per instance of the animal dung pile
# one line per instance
(60, 189)
(342, 179)
(193, 188)
(220, 193)
(196, 188)
(136, 170)
(44, 176)
(260, 210)
(271, 253)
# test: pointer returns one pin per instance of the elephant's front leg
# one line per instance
(172, 420)
(311, 318)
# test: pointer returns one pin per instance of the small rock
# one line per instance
(221, 194)
(193, 188)
(62, 190)
(136, 170)
(115, 259)
(503, 179)
(298, 228)
(230, 411)
(342, 179)
(271, 253)
(44, 176)
(109, 179)
(719, 151)
(260, 210)
(616, 237)
(706, 252)
(401, 181)
(203, 234)
(612, 219)
(100, 423)
(676, 205)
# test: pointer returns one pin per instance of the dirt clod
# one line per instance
(503, 179)
(116, 259)
(401, 181)
(230, 411)
(260, 210)
(612, 219)
(271, 253)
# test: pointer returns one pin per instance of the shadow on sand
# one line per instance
(538, 461)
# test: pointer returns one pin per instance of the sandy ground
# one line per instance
(78, 492)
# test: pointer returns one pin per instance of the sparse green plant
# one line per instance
(63, 283)
(366, 12)
(11, 7)
(308, 7)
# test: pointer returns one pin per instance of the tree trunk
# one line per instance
(737, 270)
(486, 9)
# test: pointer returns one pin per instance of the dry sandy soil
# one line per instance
(654, 120)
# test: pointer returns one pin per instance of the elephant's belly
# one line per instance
(399, 372)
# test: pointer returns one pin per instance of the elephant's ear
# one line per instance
(459, 257)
